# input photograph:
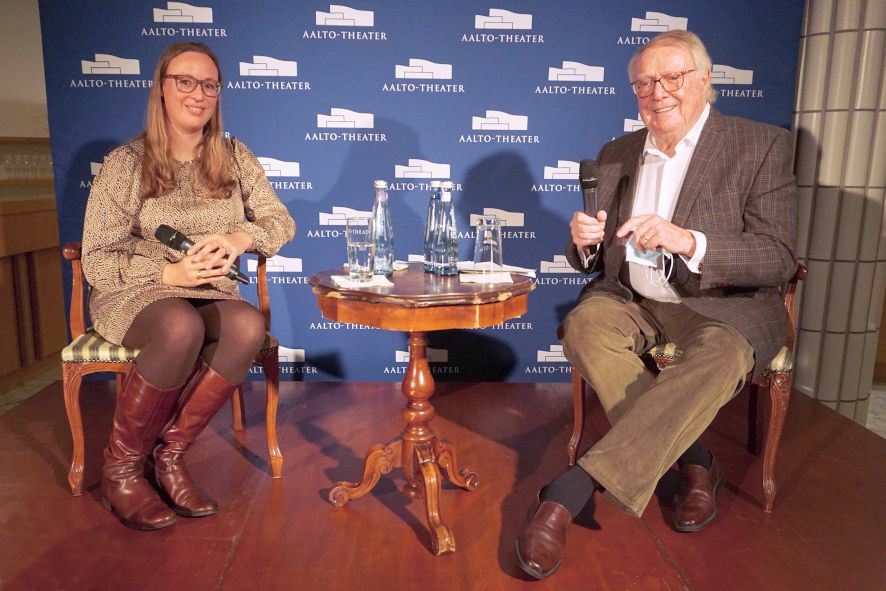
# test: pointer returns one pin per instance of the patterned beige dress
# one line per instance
(123, 261)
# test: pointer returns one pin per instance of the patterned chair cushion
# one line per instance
(782, 362)
(271, 342)
(92, 347)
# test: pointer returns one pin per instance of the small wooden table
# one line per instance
(417, 303)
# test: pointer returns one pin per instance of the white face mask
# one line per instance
(659, 260)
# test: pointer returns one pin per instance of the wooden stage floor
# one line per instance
(828, 530)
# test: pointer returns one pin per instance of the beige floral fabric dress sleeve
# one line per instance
(123, 261)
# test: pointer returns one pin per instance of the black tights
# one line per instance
(172, 333)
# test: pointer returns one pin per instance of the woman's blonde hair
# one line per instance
(214, 160)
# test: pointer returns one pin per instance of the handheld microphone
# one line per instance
(587, 176)
(178, 241)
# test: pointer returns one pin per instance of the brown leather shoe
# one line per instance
(541, 547)
(695, 504)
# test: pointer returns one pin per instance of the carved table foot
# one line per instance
(445, 454)
(380, 459)
(442, 540)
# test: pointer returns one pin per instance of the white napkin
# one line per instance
(485, 278)
(397, 265)
(347, 282)
(468, 267)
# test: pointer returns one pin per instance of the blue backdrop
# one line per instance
(502, 98)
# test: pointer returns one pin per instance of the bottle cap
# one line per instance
(380, 184)
(435, 184)
(447, 185)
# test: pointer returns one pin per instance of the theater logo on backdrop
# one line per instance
(107, 71)
(181, 20)
(268, 73)
(339, 21)
(550, 361)
(345, 120)
(558, 271)
(337, 217)
(280, 270)
(558, 178)
(428, 73)
(502, 26)
(508, 221)
(728, 78)
(499, 122)
(417, 174)
(278, 170)
(438, 362)
(292, 362)
(94, 168)
(651, 25)
(632, 125)
(571, 79)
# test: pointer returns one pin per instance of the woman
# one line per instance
(196, 336)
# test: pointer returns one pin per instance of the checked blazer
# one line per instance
(739, 191)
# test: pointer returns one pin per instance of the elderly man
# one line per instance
(694, 237)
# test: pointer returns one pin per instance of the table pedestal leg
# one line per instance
(417, 451)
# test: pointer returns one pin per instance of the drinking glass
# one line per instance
(487, 245)
(361, 248)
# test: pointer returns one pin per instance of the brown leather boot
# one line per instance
(141, 413)
(203, 396)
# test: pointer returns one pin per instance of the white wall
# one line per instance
(23, 88)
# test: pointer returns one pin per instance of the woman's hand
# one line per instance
(220, 250)
(208, 261)
(189, 272)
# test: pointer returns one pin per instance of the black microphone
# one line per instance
(178, 241)
(587, 176)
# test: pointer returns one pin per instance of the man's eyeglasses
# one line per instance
(671, 82)
(188, 84)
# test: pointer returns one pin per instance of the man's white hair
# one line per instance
(685, 40)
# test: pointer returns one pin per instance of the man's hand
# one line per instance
(586, 230)
(652, 232)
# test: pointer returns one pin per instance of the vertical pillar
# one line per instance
(840, 122)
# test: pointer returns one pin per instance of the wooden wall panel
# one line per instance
(32, 316)
(49, 307)
(27, 225)
(10, 347)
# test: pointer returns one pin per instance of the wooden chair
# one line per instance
(776, 379)
(89, 353)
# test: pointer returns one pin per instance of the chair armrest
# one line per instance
(77, 316)
(264, 300)
(790, 295)
(72, 251)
